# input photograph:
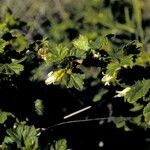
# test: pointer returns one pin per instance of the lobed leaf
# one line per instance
(138, 90)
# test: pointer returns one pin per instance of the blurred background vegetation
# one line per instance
(72, 16)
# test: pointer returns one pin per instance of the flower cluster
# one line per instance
(123, 92)
(55, 76)
(107, 79)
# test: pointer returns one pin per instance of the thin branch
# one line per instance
(76, 121)
(109, 119)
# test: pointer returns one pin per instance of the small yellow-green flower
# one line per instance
(123, 92)
(107, 79)
(42, 52)
(55, 76)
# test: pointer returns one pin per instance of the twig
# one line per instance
(76, 121)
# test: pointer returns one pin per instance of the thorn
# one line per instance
(77, 112)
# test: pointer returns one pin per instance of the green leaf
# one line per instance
(100, 94)
(138, 90)
(119, 122)
(136, 107)
(2, 45)
(39, 107)
(114, 66)
(81, 43)
(136, 120)
(4, 116)
(78, 53)
(12, 68)
(15, 68)
(20, 42)
(23, 135)
(57, 53)
(3, 28)
(9, 19)
(102, 43)
(81, 46)
(74, 80)
(59, 145)
(143, 59)
(146, 113)
(126, 61)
